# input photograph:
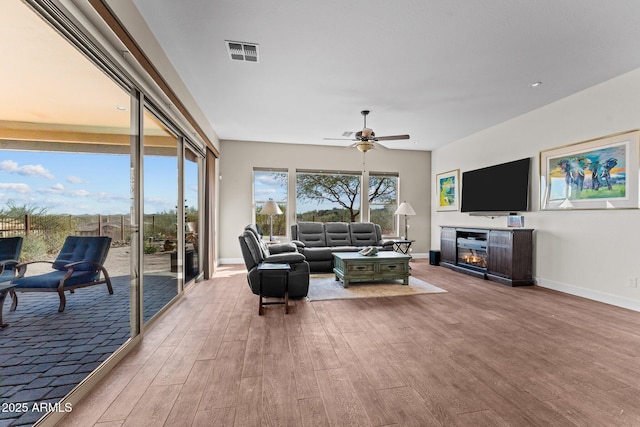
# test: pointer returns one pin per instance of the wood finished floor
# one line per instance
(482, 354)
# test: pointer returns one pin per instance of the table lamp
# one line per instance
(271, 208)
(405, 209)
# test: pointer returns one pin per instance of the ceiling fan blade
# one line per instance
(391, 138)
(339, 139)
(354, 145)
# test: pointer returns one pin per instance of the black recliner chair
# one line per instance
(254, 252)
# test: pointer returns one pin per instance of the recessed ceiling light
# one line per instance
(121, 107)
(535, 84)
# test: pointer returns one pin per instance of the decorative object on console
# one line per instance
(515, 221)
(600, 173)
(271, 208)
(447, 190)
(406, 210)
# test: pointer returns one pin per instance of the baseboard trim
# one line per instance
(230, 261)
(618, 301)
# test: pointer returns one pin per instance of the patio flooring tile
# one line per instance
(44, 354)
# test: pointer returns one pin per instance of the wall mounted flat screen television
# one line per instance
(498, 188)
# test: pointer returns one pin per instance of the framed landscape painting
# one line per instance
(596, 174)
(447, 188)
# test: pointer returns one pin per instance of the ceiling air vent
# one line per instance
(240, 51)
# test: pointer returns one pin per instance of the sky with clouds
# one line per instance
(79, 183)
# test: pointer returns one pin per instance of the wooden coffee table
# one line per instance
(387, 265)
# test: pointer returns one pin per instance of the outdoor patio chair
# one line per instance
(9, 256)
(79, 264)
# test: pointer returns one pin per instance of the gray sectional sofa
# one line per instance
(318, 241)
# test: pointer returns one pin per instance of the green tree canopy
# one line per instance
(344, 190)
(382, 190)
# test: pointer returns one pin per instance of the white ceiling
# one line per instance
(438, 70)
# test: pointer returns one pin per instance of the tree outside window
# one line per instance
(270, 184)
(383, 202)
(324, 197)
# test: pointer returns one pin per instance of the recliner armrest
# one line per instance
(281, 247)
(286, 257)
(385, 243)
(298, 243)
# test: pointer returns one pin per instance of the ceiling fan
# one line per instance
(366, 139)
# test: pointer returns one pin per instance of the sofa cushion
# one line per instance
(52, 280)
(337, 234)
(344, 249)
(311, 234)
(261, 244)
(363, 234)
(83, 248)
(251, 251)
(317, 254)
(285, 257)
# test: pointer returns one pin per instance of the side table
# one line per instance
(5, 287)
(402, 246)
(273, 267)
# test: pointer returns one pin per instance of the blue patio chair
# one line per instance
(9, 256)
(79, 264)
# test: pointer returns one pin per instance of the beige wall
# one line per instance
(588, 253)
(238, 159)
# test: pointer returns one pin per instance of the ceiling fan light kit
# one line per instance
(366, 139)
(364, 146)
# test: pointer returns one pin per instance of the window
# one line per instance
(383, 201)
(324, 197)
(270, 185)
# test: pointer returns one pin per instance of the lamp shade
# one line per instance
(405, 209)
(271, 208)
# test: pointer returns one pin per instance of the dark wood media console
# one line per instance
(503, 255)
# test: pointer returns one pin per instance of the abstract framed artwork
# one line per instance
(447, 188)
(600, 173)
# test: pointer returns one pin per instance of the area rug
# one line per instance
(325, 287)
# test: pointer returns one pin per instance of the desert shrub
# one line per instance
(150, 248)
(34, 248)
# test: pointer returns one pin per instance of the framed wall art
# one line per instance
(448, 190)
(600, 173)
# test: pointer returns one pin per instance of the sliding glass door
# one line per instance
(160, 207)
(191, 216)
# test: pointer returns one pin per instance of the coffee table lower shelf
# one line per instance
(350, 267)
